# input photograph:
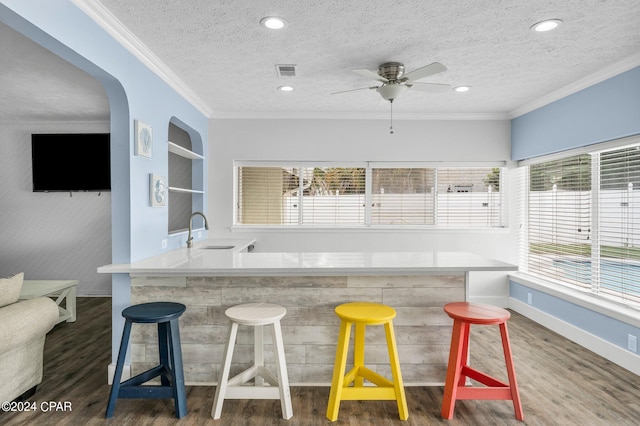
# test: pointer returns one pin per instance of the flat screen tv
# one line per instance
(71, 162)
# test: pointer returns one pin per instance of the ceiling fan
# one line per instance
(395, 82)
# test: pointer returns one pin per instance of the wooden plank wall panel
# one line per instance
(310, 328)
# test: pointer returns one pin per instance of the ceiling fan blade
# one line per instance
(370, 74)
(353, 90)
(429, 87)
(426, 71)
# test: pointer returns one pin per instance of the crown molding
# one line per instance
(107, 21)
(356, 116)
(598, 77)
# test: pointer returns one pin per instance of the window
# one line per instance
(584, 222)
(368, 194)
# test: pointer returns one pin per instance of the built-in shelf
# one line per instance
(186, 178)
(183, 152)
(185, 190)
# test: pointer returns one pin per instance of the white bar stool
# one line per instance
(256, 315)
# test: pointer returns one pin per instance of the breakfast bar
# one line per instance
(209, 279)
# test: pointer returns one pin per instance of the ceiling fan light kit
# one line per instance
(395, 81)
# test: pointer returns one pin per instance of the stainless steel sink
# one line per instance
(216, 247)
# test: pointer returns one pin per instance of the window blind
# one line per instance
(618, 269)
(583, 223)
(403, 196)
(300, 195)
(559, 220)
(334, 196)
(330, 195)
(469, 197)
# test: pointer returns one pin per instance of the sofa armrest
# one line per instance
(25, 320)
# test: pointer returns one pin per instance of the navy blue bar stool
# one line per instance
(166, 315)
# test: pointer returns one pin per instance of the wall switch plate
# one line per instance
(164, 244)
(632, 343)
(530, 298)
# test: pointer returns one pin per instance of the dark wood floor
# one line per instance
(560, 384)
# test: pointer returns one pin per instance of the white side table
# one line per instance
(61, 289)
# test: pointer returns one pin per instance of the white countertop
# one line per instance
(206, 262)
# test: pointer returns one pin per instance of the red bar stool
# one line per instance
(464, 314)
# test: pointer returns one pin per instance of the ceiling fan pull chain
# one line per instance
(391, 123)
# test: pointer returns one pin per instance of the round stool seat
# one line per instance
(365, 312)
(256, 313)
(154, 312)
(476, 313)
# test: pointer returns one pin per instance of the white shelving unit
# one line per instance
(184, 152)
(185, 190)
(186, 193)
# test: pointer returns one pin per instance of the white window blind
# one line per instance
(403, 196)
(560, 219)
(333, 196)
(321, 195)
(584, 223)
(300, 195)
(618, 269)
(469, 197)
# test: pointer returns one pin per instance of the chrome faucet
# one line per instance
(206, 226)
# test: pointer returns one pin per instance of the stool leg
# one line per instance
(258, 350)
(358, 352)
(456, 361)
(403, 411)
(338, 371)
(216, 410)
(175, 361)
(511, 372)
(283, 376)
(117, 376)
(464, 357)
(163, 350)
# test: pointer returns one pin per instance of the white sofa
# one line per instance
(23, 328)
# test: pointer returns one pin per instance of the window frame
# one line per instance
(369, 166)
(598, 213)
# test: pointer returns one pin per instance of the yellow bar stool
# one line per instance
(362, 314)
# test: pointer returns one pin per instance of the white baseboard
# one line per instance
(500, 301)
(111, 371)
(613, 353)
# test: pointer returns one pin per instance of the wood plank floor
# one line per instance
(560, 384)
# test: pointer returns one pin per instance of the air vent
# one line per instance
(286, 70)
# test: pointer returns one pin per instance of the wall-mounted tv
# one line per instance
(71, 162)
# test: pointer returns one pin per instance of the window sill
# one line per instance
(380, 228)
(586, 300)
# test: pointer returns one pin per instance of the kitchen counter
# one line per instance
(203, 261)
(309, 285)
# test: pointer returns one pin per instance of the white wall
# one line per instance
(361, 140)
(51, 235)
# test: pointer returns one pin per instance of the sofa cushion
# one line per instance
(10, 289)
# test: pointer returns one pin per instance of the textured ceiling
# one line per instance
(219, 50)
(37, 85)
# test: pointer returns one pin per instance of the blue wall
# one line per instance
(606, 328)
(605, 111)
(135, 93)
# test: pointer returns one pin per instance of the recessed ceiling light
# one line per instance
(462, 89)
(285, 88)
(546, 25)
(273, 22)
